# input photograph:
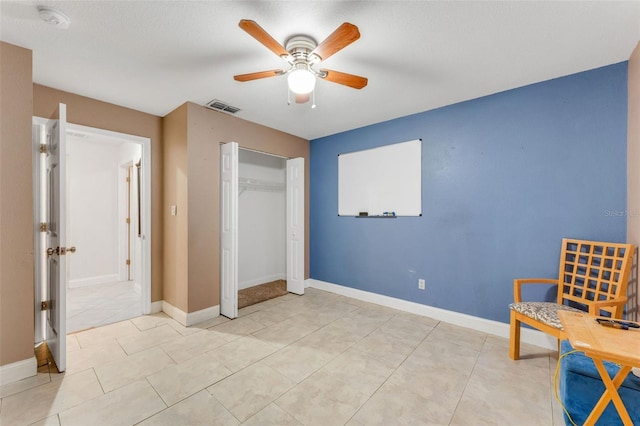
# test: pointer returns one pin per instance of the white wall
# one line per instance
(92, 179)
(261, 221)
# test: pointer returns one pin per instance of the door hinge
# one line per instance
(43, 226)
(128, 221)
(128, 262)
(45, 305)
(128, 179)
(43, 148)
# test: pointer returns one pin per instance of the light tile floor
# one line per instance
(317, 359)
(94, 306)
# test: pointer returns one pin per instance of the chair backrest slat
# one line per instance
(592, 271)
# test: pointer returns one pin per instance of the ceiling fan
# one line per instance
(302, 54)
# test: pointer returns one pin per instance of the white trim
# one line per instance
(19, 370)
(97, 280)
(191, 318)
(174, 312)
(261, 280)
(39, 262)
(203, 315)
(484, 325)
(156, 307)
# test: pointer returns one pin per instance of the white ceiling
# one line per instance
(418, 55)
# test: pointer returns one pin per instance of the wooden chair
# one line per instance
(593, 277)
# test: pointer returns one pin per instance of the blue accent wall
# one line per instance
(504, 178)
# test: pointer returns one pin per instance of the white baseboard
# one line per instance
(156, 307)
(191, 318)
(19, 370)
(261, 280)
(484, 325)
(203, 315)
(174, 312)
(97, 280)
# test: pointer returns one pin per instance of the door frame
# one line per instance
(145, 189)
(39, 133)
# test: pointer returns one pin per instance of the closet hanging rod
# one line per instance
(251, 184)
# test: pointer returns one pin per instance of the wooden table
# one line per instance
(604, 343)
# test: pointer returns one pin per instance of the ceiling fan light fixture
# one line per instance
(301, 81)
(302, 54)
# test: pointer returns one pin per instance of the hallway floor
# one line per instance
(316, 359)
(95, 306)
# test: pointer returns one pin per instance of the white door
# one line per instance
(56, 237)
(229, 230)
(295, 225)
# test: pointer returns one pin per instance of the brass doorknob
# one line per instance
(60, 250)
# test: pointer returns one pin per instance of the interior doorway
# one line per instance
(102, 195)
(261, 227)
(52, 236)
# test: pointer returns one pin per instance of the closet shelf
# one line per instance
(249, 184)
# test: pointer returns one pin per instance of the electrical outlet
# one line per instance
(421, 284)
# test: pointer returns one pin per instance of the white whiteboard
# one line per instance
(383, 179)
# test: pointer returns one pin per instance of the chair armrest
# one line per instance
(594, 308)
(517, 285)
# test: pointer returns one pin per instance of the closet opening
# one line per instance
(261, 227)
(262, 230)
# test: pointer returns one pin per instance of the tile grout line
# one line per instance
(274, 401)
(453, 414)
(395, 369)
(225, 407)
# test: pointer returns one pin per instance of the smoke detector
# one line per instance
(54, 17)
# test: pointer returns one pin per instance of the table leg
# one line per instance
(610, 394)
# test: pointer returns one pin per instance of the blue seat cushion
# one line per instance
(581, 387)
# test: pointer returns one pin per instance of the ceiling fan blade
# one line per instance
(257, 32)
(257, 75)
(343, 36)
(350, 80)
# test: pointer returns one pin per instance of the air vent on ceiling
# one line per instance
(218, 105)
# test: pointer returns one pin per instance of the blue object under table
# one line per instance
(581, 388)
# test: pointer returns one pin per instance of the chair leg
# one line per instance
(514, 341)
